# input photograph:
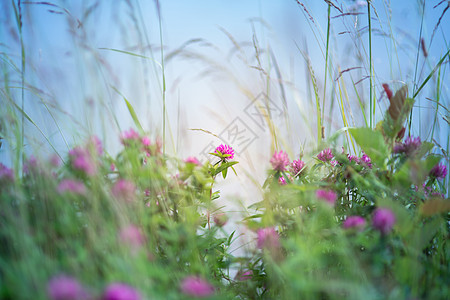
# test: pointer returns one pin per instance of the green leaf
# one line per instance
(431, 161)
(215, 154)
(230, 238)
(415, 171)
(224, 173)
(443, 58)
(372, 143)
(215, 195)
(132, 112)
(424, 149)
(133, 54)
(224, 166)
(232, 168)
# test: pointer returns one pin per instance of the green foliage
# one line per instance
(372, 143)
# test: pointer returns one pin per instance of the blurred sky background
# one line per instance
(219, 56)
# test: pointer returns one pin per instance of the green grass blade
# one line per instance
(133, 54)
(326, 61)
(132, 111)
(371, 104)
(432, 73)
(24, 114)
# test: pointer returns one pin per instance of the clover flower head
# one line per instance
(95, 142)
(399, 148)
(225, 149)
(356, 222)
(412, 145)
(327, 196)
(409, 147)
(196, 287)
(55, 161)
(279, 161)
(132, 236)
(325, 155)
(63, 287)
(383, 220)
(6, 173)
(366, 160)
(282, 181)
(120, 291)
(124, 189)
(83, 161)
(146, 141)
(73, 186)
(439, 171)
(30, 165)
(297, 167)
(130, 135)
(192, 160)
(267, 238)
(334, 162)
(353, 158)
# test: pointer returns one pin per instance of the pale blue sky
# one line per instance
(66, 63)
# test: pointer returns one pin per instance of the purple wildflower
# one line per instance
(6, 173)
(297, 167)
(327, 196)
(366, 160)
(410, 147)
(353, 158)
(55, 161)
(127, 136)
(124, 189)
(439, 171)
(145, 141)
(65, 288)
(282, 181)
(279, 161)
(158, 146)
(356, 222)
(398, 148)
(95, 143)
(334, 162)
(225, 150)
(196, 287)
(30, 165)
(120, 291)
(132, 236)
(325, 155)
(70, 185)
(383, 220)
(192, 160)
(268, 238)
(83, 161)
